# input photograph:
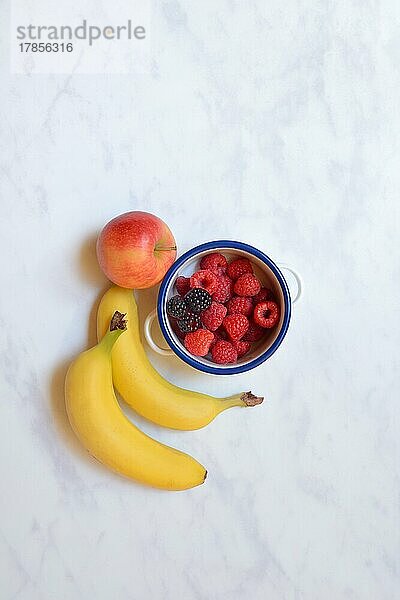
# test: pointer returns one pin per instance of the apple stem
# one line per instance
(164, 248)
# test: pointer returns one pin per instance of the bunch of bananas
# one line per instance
(119, 360)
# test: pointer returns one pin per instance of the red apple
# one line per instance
(136, 249)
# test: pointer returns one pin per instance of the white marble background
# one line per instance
(269, 122)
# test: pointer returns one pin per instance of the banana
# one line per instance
(108, 435)
(143, 388)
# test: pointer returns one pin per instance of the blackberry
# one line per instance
(176, 307)
(189, 323)
(198, 300)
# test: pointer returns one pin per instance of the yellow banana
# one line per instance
(143, 388)
(108, 435)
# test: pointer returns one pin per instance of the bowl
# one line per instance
(267, 272)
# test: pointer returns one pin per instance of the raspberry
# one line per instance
(236, 326)
(241, 348)
(238, 267)
(204, 279)
(223, 353)
(214, 262)
(198, 343)
(266, 314)
(263, 294)
(241, 305)
(247, 285)
(223, 291)
(254, 333)
(190, 322)
(176, 307)
(182, 285)
(197, 299)
(213, 316)
(219, 334)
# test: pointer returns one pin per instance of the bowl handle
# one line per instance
(149, 339)
(298, 279)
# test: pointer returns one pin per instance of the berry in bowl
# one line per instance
(223, 307)
(223, 300)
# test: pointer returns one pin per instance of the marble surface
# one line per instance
(268, 122)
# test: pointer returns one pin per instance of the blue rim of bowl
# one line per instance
(162, 315)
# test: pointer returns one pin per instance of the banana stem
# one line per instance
(117, 326)
(242, 399)
(118, 321)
